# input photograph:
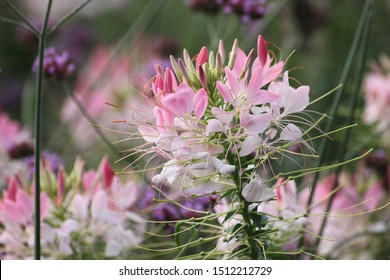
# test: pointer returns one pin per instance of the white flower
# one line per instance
(257, 191)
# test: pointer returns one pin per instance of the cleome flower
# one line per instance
(208, 117)
(81, 209)
(222, 122)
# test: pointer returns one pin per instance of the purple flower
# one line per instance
(166, 212)
(248, 10)
(56, 65)
(49, 159)
(147, 198)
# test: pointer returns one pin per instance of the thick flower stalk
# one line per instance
(219, 124)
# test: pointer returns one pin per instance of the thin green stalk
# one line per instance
(244, 211)
(21, 17)
(69, 16)
(38, 130)
(16, 23)
(344, 76)
(353, 104)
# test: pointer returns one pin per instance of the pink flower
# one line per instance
(241, 95)
(184, 102)
(17, 206)
(9, 130)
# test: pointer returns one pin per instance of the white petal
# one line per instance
(64, 248)
(149, 134)
(164, 141)
(113, 248)
(214, 126)
(249, 145)
(169, 173)
(223, 116)
(258, 123)
(99, 205)
(180, 149)
(297, 101)
(68, 227)
(222, 167)
(256, 191)
(80, 206)
(291, 133)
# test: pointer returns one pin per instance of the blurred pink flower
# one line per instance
(377, 98)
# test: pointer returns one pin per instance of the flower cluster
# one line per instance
(84, 214)
(377, 98)
(212, 120)
(56, 65)
(218, 126)
(15, 145)
(352, 220)
(247, 9)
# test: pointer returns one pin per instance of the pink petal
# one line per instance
(169, 81)
(202, 77)
(180, 103)
(233, 81)
(214, 126)
(164, 118)
(99, 205)
(262, 50)
(88, 179)
(223, 116)
(273, 72)
(226, 94)
(148, 133)
(200, 103)
(10, 193)
(291, 133)
(255, 124)
(24, 202)
(250, 144)
(202, 58)
(107, 173)
(263, 97)
(14, 213)
(255, 83)
(286, 192)
(298, 101)
(239, 62)
(374, 195)
(158, 84)
(68, 227)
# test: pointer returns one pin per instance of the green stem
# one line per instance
(38, 130)
(244, 211)
(16, 23)
(69, 16)
(353, 104)
(21, 17)
(344, 76)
